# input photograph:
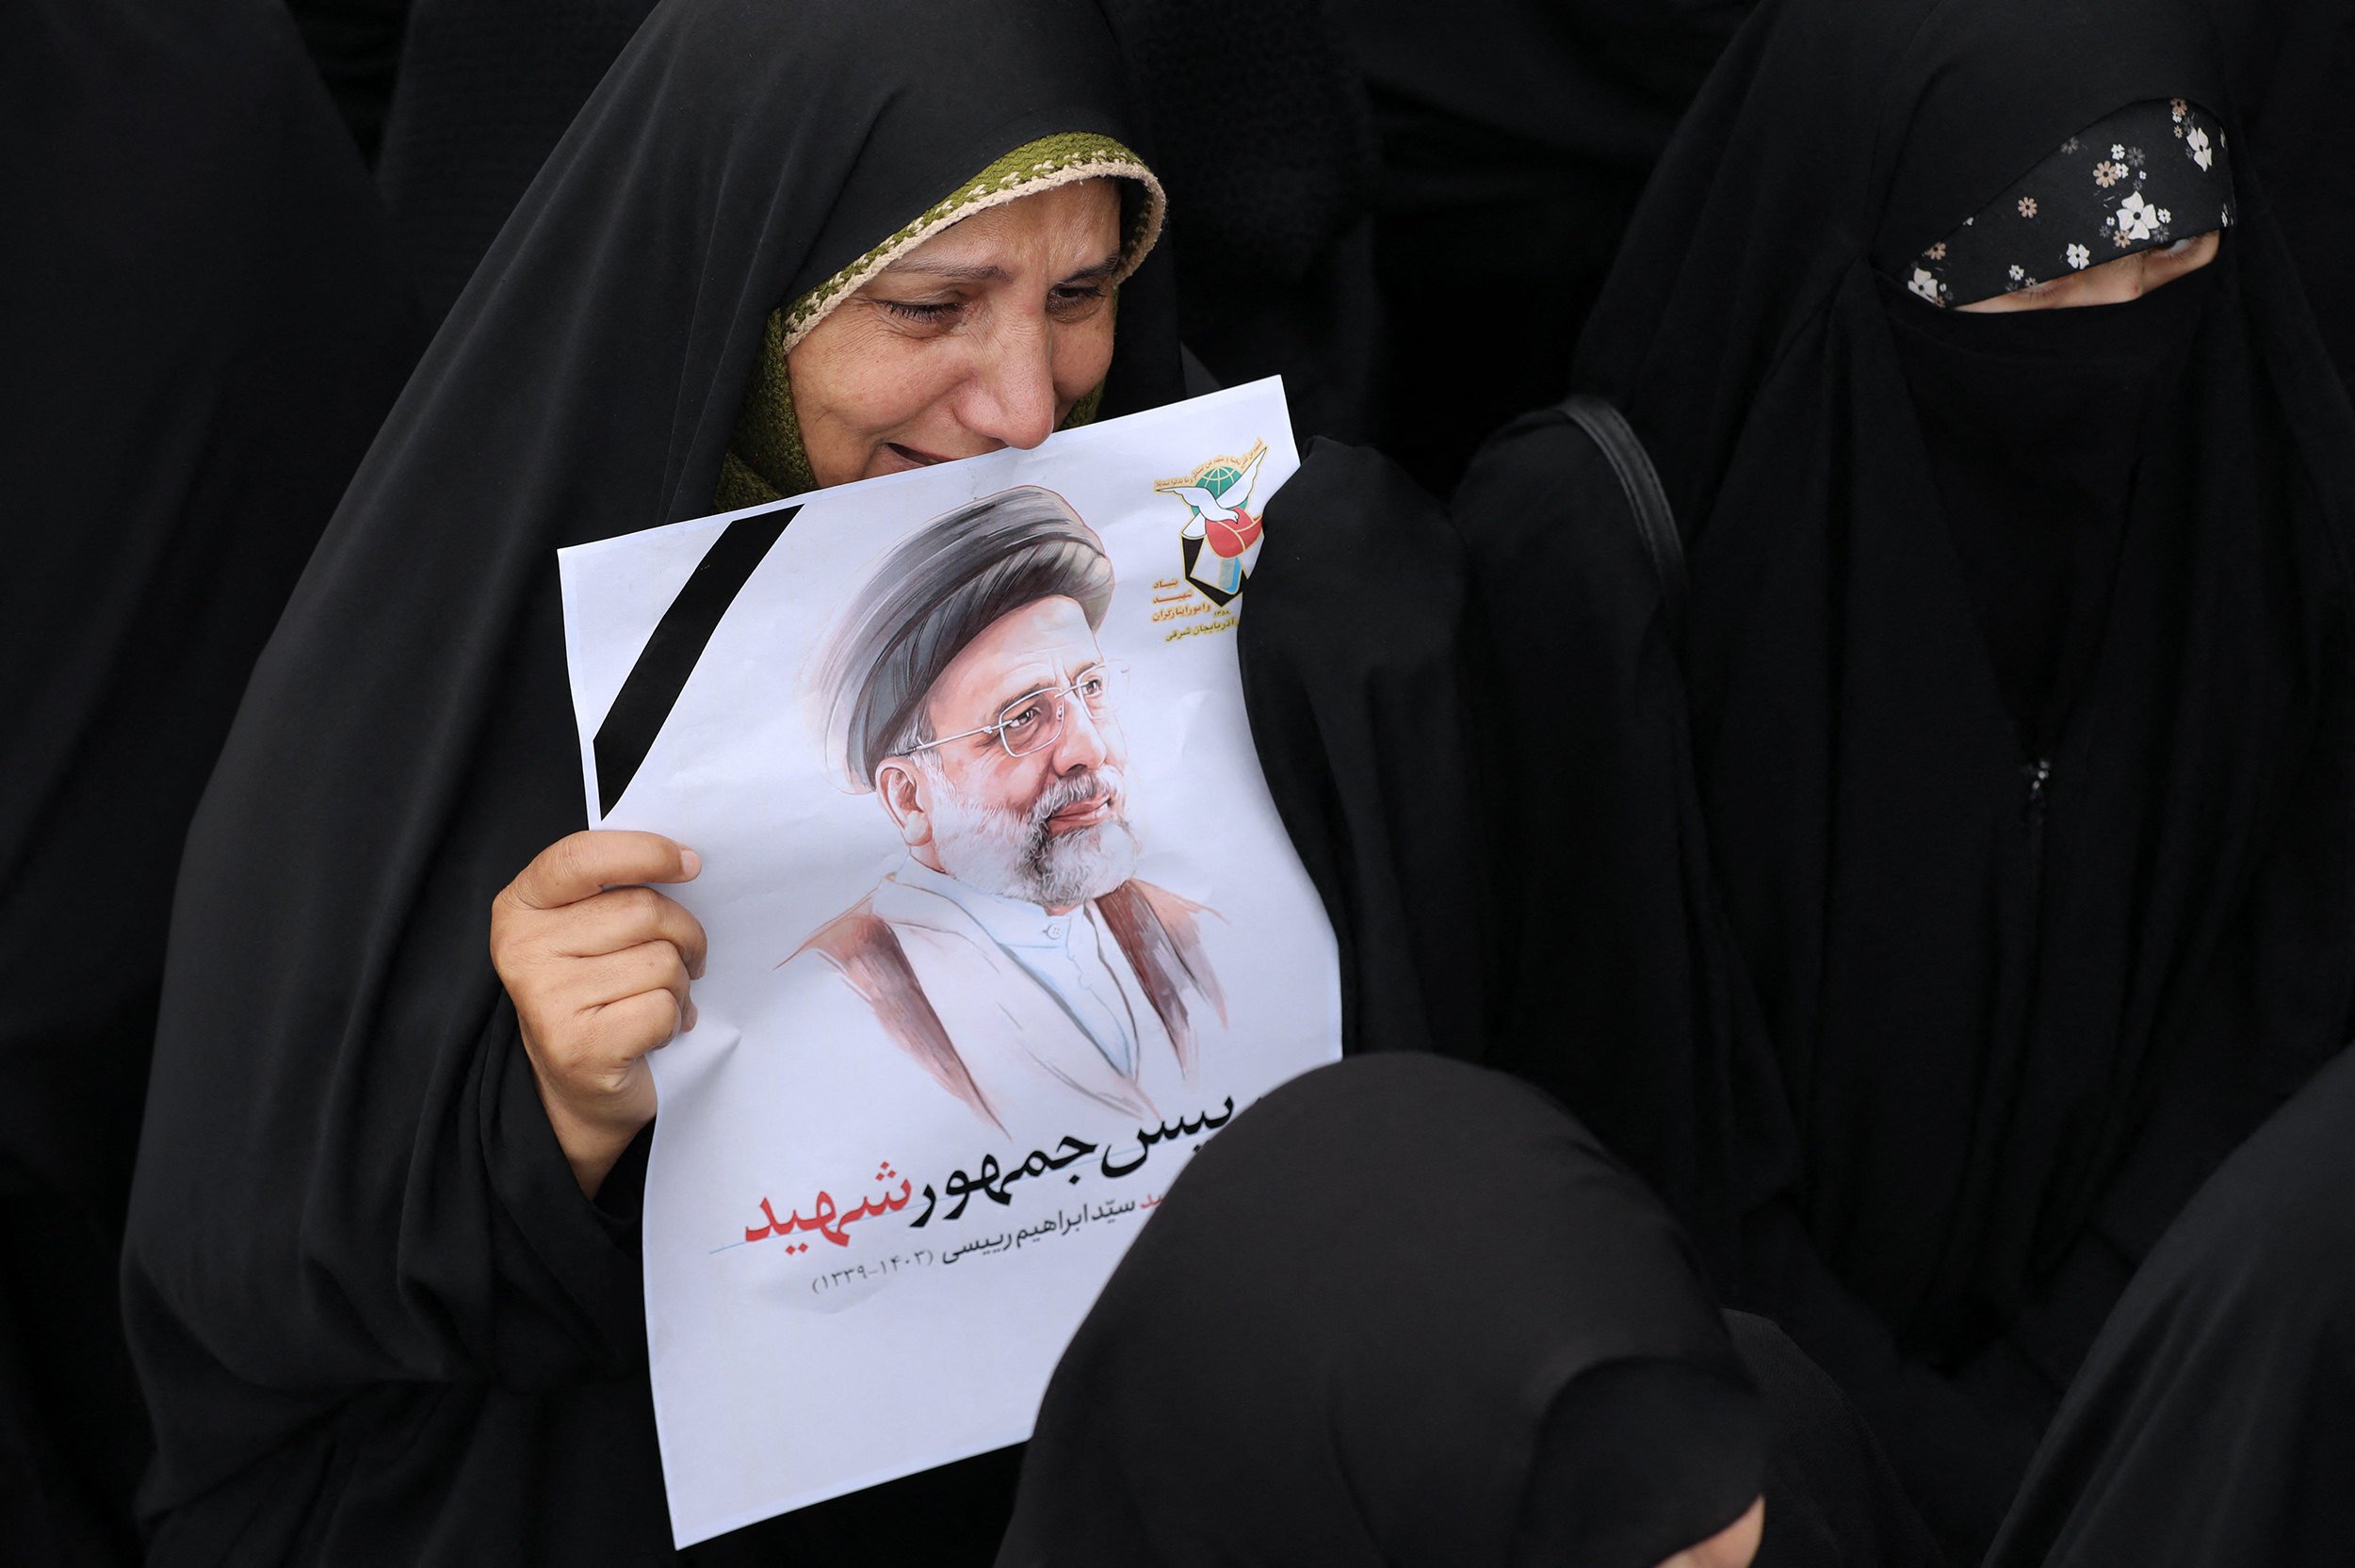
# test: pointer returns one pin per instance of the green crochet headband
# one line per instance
(766, 460)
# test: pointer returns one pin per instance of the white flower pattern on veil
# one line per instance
(2099, 186)
(2136, 218)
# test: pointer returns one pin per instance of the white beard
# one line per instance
(1013, 855)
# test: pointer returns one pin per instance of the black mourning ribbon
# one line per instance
(671, 655)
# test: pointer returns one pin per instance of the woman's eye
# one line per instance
(927, 313)
(1074, 298)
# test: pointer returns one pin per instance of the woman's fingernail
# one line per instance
(691, 1014)
(689, 863)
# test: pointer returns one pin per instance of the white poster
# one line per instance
(1002, 925)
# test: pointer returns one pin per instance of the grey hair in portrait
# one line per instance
(933, 594)
(1010, 852)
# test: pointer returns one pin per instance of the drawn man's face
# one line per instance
(1048, 827)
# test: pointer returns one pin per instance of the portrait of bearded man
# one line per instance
(1013, 954)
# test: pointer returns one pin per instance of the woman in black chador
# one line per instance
(1403, 1312)
(1257, 121)
(1406, 1313)
(1957, 919)
(202, 322)
(382, 1283)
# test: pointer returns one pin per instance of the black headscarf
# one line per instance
(1516, 136)
(1265, 141)
(1260, 131)
(1401, 1311)
(376, 1318)
(204, 320)
(483, 92)
(356, 45)
(2216, 1412)
(1811, 912)
(2289, 61)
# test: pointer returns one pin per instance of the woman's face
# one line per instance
(1735, 1547)
(2112, 283)
(981, 337)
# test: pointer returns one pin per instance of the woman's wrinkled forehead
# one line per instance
(917, 106)
(1043, 164)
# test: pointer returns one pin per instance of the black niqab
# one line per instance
(2037, 424)
(1403, 1312)
(1928, 1035)
(374, 1317)
(204, 320)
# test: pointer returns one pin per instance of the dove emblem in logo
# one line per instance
(1221, 539)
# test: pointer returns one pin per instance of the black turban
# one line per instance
(932, 596)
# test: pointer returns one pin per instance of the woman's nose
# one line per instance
(1012, 398)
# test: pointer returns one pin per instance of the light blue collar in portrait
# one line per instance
(1066, 953)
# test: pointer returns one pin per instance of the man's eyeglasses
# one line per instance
(1034, 723)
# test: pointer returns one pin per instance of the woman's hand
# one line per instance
(598, 966)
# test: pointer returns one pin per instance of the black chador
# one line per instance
(1403, 1312)
(1976, 872)
(376, 1318)
(202, 320)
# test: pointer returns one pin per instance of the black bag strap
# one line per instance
(1654, 518)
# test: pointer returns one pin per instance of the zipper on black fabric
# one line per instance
(2039, 777)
